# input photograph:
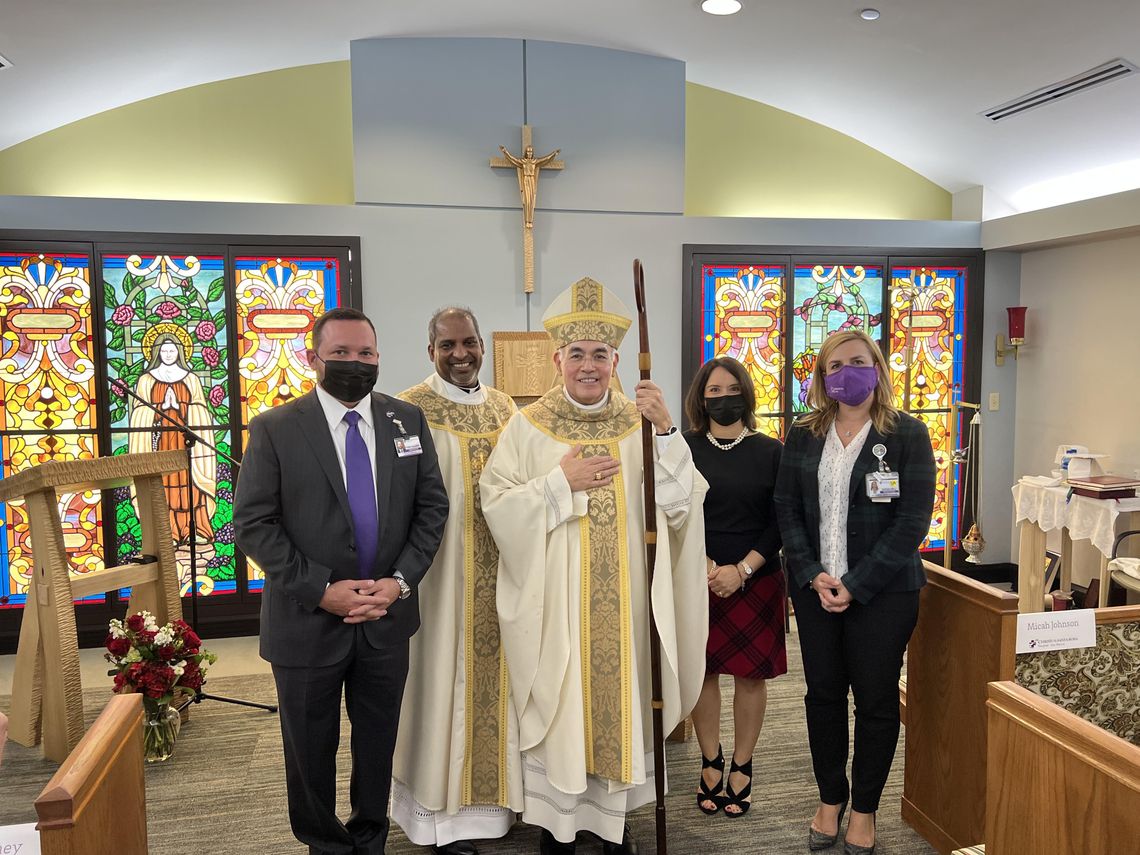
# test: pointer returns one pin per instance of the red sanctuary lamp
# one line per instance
(1016, 335)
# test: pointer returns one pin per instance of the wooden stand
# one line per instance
(96, 803)
(964, 639)
(47, 692)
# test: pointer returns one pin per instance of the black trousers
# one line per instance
(309, 701)
(860, 650)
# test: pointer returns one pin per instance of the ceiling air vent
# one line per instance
(1114, 70)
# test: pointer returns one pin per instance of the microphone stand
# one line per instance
(190, 439)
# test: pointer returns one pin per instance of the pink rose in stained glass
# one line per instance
(168, 310)
(205, 330)
(211, 356)
(217, 396)
(122, 315)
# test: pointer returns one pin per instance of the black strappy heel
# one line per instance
(738, 799)
(705, 794)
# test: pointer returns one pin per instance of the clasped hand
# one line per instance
(724, 579)
(833, 596)
(360, 600)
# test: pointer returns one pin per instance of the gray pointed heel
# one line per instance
(855, 849)
(817, 840)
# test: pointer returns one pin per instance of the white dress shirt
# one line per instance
(334, 413)
(835, 465)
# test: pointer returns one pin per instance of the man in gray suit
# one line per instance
(340, 501)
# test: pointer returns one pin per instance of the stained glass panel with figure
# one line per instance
(167, 329)
(47, 402)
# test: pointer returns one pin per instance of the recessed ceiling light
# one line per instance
(721, 7)
(869, 14)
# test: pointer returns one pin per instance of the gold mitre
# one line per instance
(586, 311)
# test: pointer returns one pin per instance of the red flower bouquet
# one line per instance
(160, 663)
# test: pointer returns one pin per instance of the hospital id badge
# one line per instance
(882, 486)
(408, 446)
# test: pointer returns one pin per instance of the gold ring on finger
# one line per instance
(597, 476)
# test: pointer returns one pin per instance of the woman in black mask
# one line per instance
(746, 587)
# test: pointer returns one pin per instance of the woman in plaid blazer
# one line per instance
(851, 532)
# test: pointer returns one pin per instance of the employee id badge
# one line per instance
(882, 486)
(408, 446)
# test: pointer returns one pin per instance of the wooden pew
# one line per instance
(96, 803)
(964, 640)
(1057, 783)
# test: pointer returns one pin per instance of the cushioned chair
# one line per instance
(3, 734)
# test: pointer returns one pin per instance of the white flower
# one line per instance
(116, 629)
(164, 636)
(149, 623)
(133, 655)
(179, 670)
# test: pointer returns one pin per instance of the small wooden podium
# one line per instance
(47, 691)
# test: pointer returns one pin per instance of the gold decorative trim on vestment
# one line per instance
(486, 419)
(486, 688)
(559, 419)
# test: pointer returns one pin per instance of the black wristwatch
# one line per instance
(669, 432)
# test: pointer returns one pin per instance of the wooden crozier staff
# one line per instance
(644, 362)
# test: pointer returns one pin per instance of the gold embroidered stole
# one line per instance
(606, 612)
(477, 428)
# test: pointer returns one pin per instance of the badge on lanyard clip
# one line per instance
(883, 485)
(406, 446)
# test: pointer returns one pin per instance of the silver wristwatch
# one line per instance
(405, 588)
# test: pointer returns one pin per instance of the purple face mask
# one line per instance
(851, 384)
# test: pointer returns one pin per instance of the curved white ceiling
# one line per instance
(910, 84)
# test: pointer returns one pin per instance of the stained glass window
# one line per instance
(166, 328)
(47, 402)
(745, 313)
(828, 298)
(278, 300)
(928, 315)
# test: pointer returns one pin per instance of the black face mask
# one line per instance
(725, 410)
(349, 379)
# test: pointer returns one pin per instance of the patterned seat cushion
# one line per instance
(980, 849)
(1096, 683)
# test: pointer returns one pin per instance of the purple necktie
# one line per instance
(361, 495)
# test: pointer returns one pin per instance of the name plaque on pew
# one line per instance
(1041, 631)
(19, 839)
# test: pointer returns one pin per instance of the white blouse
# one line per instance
(835, 467)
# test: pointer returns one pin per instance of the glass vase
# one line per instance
(160, 730)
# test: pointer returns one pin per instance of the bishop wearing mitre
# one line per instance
(563, 496)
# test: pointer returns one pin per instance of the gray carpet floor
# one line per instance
(223, 791)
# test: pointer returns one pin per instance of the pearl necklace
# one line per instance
(717, 444)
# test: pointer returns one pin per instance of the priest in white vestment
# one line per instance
(456, 770)
(563, 496)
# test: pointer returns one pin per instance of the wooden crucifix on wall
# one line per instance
(527, 168)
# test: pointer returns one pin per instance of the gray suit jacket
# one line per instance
(292, 517)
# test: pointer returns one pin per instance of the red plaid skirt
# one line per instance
(746, 631)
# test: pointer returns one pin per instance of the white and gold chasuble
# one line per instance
(572, 603)
(456, 768)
